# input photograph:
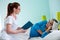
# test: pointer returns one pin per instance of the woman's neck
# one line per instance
(14, 15)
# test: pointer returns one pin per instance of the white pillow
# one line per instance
(55, 26)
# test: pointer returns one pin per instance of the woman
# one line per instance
(11, 27)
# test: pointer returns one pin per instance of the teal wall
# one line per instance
(54, 6)
(30, 10)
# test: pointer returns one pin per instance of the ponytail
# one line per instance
(10, 8)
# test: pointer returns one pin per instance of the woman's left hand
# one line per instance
(23, 31)
(19, 28)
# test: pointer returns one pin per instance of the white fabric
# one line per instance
(55, 26)
(23, 36)
(19, 36)
(55, 35)
(36, 38)
(14, 26)
(11, 20)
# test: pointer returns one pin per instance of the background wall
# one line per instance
(30, 10)
(54, 6)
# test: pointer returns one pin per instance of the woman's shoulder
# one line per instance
(9, 17)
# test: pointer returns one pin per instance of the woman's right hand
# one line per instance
(22, 31)
(48, 29)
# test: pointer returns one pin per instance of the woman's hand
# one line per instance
(19, 28)
(22, 31)
(48, 29)
(10, 31)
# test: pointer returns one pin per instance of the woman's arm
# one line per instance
(43, 34)
(10, 31)
(39, 31)
(48, 29)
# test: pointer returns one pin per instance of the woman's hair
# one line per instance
(10, 8)
(55, 20)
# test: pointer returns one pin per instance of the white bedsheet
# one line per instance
(23, 36)
(20, 36)
(55, 35)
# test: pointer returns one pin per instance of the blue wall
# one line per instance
(30, 10)
(54, 6)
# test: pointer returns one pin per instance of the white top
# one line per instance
(11, 20)
(19, 36)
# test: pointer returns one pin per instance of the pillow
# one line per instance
(55, 26)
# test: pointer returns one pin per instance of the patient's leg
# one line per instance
(54, 35)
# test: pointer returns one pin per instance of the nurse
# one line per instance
(11, 26)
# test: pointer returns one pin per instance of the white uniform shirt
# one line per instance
(19, 36)
(11, 20)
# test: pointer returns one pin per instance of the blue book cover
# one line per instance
(27, 25)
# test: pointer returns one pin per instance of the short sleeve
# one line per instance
(9, 20)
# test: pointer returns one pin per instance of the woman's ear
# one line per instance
(14, 9)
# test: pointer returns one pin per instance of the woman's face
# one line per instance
(50, 23)
(17, 10)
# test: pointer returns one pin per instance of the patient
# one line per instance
(42, 29)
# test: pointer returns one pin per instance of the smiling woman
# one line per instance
(10, 22)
